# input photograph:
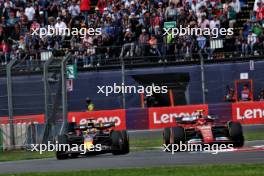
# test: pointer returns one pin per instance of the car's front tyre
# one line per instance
(236, 134)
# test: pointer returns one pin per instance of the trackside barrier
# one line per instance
(136, 119)
(5, 128)
(165, 116)
(148, 118)
(248, 112)
(20, 135)
(24, 129)
(1, 140)
(30, 131)
(245, 112)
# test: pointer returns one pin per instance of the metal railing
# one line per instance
(135, 54)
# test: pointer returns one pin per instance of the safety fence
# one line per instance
(25, 133)
(138, 54)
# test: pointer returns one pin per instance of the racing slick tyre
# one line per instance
(74, 155)
(166, 139)
(126, 141)
(178, 134)
(119, 146)
(166, 136)
(71, 127)
(60, 155)
(236, 133)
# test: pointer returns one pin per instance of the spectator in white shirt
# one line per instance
(171, 12)
(251, 41)
(204, 23)
(236, 5)
(61, 26)
(30, 12)
(256, 4)
(195, 7)
(74, 9)
(214, 22)
(8, 4)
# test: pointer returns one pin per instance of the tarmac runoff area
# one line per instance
(252, 152)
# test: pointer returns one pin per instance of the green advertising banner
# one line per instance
(71, 71)
(170, 24)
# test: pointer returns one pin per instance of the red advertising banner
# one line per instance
(248, 112)
(165, 116)
(24, 119)
(245, 112)
(117, 116)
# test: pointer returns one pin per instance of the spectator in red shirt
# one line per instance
(155, 23)
(85, 7)
(260, 12)
(5, 49)
(101, 4)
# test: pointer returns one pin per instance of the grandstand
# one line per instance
(132, 30)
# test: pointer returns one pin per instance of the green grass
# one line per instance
(136, 144)
(256, 135)
(204, 170)
(23, 155)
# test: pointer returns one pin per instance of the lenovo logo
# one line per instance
(115, 119)
(169, 117)
(249, 113)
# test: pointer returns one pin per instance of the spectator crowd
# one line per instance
(130, 28)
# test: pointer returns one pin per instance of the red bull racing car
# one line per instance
(202, 129)
(91, 138)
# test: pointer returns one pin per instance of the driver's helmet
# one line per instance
(88, 100)
(200, 113)
(91, 131)
(201, 121)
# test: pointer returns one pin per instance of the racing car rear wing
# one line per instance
(99, 126)
(192, 119)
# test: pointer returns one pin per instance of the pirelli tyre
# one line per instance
(120, 143)
(236, 133)
(74, 155)
(71, 127)
(61, 155)
(166, 136)
(126, 141)
(178, 134)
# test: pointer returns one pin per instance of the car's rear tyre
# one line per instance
(71, 127)
(120, 145)
(236, 134)
(61, 155)
(166, 136)
(74, 155)
(178, 135)
(126, 141)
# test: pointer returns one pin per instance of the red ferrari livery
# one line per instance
(202, 129)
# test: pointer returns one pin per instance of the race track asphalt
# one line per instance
(149, 158)
(158, 132)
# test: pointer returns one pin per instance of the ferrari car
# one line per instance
(93, 138)
(202, 129)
